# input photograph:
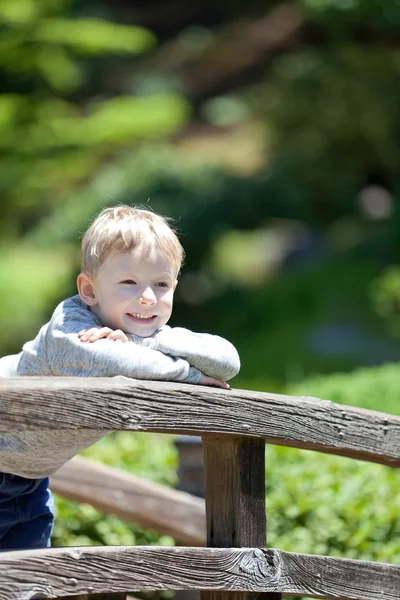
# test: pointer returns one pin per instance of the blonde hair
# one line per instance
(122, 228)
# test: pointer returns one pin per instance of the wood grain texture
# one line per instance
(96, 597)
(235, 500)
(151, 505)
(58, 572)
(235, 491)
(126, 404)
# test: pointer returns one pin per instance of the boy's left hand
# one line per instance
(97, 333)
(206, 380)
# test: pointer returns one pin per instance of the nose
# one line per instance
(147, 296)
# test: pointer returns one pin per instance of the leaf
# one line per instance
(95, 36)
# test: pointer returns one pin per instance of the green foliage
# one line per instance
(149, 455)
(284, 333)
(340, 16)
(375, 388)
(321, 504)
(94, 36)
(146, 455)
(331, 115)
(57, 124)
(385, 297)
(329, 505)
(32, 276)
(83, 525)
(110, 122)
(41, 40)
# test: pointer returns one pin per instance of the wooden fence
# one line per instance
(235, 425)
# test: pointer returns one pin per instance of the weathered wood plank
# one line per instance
(59, 572)
(125, 404)
(95, 597)
(152, 505)
(235, 499)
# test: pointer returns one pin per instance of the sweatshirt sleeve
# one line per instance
(68, 356)
(212, 355)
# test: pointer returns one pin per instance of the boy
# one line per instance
(131, 259)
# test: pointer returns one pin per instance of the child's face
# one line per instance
(133, 293)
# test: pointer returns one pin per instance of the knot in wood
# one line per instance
(261, 565)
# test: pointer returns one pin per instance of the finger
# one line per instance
(86, 333)
(83, 336)
(118, 334)
(221, 384)
(95, 334)
(215, 382)
(114, 336)
(99, 333)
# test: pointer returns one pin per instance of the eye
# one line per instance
(128, 281)
(162, 284)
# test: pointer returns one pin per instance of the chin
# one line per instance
(144, 334)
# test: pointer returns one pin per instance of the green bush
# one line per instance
(147, 455)
(322, 504)
(374, 388)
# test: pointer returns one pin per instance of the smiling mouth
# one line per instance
(141, 317)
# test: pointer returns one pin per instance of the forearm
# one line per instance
(210, 354)
(105, 358)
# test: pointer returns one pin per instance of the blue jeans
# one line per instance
(26, 513)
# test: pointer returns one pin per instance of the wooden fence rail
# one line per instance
(125, 404)
(234, 426)
(91, 570)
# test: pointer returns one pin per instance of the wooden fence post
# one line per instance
(235, 500)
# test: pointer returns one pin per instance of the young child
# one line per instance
(116, 325)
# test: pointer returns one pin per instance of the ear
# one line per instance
(86, 289)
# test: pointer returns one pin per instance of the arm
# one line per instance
(211, 354)
(67, 355)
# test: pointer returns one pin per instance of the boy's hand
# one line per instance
(205, 380)
(97, 333)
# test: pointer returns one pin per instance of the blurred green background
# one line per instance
(270, 131)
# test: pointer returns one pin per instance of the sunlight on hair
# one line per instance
(120, 229)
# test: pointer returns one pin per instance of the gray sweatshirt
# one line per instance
(170, 354)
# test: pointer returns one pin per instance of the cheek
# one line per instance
(123, 294)
(166, 300)
(112, 303)
(115, 295)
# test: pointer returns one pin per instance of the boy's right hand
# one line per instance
(97, 333)
(206, 380)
